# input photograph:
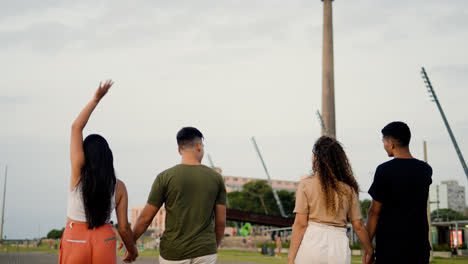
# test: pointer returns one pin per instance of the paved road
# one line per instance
(45, 258)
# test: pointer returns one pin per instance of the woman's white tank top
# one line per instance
(75, 205)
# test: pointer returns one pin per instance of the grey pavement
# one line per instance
(47, 258)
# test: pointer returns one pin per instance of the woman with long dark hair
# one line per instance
(94, 193)
(325, 202)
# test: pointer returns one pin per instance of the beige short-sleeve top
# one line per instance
(310, 200)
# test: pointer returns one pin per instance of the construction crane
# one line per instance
(275, 194)
(434, 98)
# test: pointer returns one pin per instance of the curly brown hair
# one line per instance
(333, 168)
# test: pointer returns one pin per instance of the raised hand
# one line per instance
(102, 89)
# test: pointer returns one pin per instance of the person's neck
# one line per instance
(190, 161)
(402, 154)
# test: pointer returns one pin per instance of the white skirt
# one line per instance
(324, 244)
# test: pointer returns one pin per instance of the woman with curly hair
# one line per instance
(325, 202)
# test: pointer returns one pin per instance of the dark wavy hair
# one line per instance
(98, 180)
(333, 169)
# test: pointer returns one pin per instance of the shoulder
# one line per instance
(120, 184)
(426, 166)
(309, 181)
(120, 189)
(166, 173)
(386, 164)
(210, 171)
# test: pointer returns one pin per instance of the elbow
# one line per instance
(300, 225)
(75, 126)
(373, 214)
(358, 226)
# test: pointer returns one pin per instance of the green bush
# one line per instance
(462, 246)
(441, 247)
(356, 246)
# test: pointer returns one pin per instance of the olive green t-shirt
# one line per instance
(190, 194)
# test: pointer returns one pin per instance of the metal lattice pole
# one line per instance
(434, 98)
(278, 201)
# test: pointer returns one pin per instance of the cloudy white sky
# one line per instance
(234, 69)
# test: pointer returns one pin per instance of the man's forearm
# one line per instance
(372, 220)
(219, 229)
(141, 226)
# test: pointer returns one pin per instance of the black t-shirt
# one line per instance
(402, 186)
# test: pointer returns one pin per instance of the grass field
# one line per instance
(223, 255)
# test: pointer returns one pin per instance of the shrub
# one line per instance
(356, 246)
(443, 247)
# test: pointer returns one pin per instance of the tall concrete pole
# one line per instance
(328, 79)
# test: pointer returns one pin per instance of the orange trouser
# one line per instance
(80, 245)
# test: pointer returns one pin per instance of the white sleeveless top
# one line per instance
(75, 205)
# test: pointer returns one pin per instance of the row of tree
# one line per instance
(257, 197)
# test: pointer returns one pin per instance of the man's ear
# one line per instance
(180, 152)
(199, 146)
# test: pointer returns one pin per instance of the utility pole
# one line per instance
(275, 194)
(431, 257)
(3, 207)
(434, 98)
(328, 75)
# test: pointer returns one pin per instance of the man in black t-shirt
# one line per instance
(398, 213)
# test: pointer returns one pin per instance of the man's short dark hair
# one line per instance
(188, 137)
(398, 131)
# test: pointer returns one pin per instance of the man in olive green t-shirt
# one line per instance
(195, 200)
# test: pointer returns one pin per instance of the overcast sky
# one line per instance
(234, 69)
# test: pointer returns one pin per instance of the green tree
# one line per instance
(55, 234)
(365, 205)
(257, 191)
(447, 215)
(257, 197)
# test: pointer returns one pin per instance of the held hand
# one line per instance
(102, 89)
(368, 258)
(130, 256)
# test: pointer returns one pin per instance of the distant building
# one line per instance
(236, 183)
(159, 220)
(450, 196)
